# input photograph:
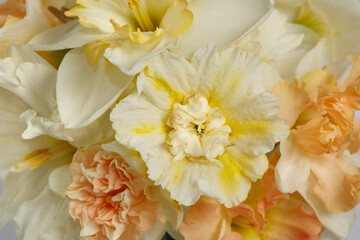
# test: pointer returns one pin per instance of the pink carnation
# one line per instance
(110, 199)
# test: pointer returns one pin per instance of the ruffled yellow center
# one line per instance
(198, 131)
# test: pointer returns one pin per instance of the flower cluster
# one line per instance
(195, 119)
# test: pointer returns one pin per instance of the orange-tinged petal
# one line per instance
(293, 98)
(292, 220)
(205, 220)
(338, 182)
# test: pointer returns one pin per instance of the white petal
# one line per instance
(293, 168)
(12, 146)
(98, 130)
(222, 22)
(131, 156)
(131, 57)
(32, 81)
(34, 22)
(85, 92)
(316, 58)
(64, 36)
(45, 217)
(26, 185)
(338, 223)
(59, 179)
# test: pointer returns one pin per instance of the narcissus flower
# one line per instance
(321, 108)
(202, 126)
(114, 35)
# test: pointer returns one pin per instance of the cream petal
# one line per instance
(256, 126)
(33, 82)
(59, 179)
(96, 14)
(338, 223)
(344, 40)
(293, 168)
(141, 126)
(131, 57)
(315, 59)
(222, 22)
(98, 130)
(85, 92)
(45, 217)
(21, 186)
(131, 156)
(12, 146)
(64, 36)
(34, 23)
(179, 74)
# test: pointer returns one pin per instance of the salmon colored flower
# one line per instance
(266, 214)
(11, 11)
(321, 108)
(110, 199)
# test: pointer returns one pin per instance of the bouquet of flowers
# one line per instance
(179, 119)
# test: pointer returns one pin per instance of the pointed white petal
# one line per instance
(131, 57)
(68, 35)
(85, 92)
(222, 22)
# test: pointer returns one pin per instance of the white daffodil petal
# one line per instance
(131, 57)
(68, 35)
(31, 81)
(59, 179)
(222, 22)
(34, 22)
(131, 156)
(26, 185)
(143, 123)
(338, 223)
(45, 217)
(293, 168)
(342, 31)
(12, 146)
(316, 58)
(84, 92)
(98, 130)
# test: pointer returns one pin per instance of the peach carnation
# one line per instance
(110, 199)
(321, 109)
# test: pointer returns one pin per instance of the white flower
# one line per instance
(202, 127)
(279, 42)
(127, 33)
(31, 78)
(333, 38)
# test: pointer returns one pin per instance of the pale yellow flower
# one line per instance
(202, 127)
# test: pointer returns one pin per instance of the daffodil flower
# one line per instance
(32, 173)
(332, 38)
(26, 74)
(202, 127)
(126, 34)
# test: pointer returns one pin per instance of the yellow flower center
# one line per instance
(198, 131)
(39, 157)
(142, 17)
